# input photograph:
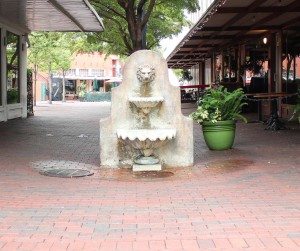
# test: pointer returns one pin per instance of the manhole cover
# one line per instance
(66, 173)
(152, 174)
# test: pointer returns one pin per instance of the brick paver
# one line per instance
(244, 198)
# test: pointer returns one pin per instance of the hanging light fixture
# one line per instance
(265, 40)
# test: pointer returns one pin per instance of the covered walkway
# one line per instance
(244, 198)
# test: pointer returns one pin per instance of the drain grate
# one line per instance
(63, 168)
(153, 174)
(66, 173)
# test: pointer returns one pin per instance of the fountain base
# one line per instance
(143, 163)
(143, 160)
(143, 168)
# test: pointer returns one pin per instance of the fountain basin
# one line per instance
(146, 140)
(146, 103)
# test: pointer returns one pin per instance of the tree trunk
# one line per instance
(64, 87)
(137, 22)
(50, 84)
(34, 83)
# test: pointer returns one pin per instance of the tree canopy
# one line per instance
(51, 51)
(53, 48)
(132, 25)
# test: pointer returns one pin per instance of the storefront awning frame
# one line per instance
(228, 23)
(50, 15)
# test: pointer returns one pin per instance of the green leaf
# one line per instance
(220, 104)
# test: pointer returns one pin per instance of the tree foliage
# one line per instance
(52, 52)
(186, 75)
(53, 48)
(126, 20)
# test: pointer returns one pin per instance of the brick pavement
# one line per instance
(244, 198)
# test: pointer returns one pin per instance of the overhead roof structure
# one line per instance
(229, 22)
(50, 15)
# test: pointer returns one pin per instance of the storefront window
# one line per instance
(13, 68)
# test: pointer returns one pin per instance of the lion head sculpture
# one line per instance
(145, 73)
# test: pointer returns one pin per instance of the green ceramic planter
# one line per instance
(219, 135)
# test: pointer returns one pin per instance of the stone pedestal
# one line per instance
(139, 168)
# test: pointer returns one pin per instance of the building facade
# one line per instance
(89, 71)
(13, 98)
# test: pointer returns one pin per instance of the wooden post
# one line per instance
(229, 65)
(238, 59)
(243, 55)
(213, 67)
(278, 84)
(222, 65)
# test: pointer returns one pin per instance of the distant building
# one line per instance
(92, 71)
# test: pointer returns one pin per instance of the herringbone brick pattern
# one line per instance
(244, 198)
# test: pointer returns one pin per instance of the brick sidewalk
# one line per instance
(244, 198)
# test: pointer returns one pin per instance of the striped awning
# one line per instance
(50, 15)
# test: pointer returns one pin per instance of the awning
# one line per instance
(113, 80)
(230, 22)
(50, 15)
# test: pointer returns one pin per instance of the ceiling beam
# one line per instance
(268, 18)
(274, 15)
(278, 9)
(242, 28)
(240, 15)
(196, 46)
(209, 37)
(291, 22)
(195, 53)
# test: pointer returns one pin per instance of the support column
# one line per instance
(203, 73)
(294, 66)
(200, 74)
(23, 75)
(229, 65)
(213, 68)
(222, 65)
(238, 61)
(3, 93)
(278, 84)
(243, 58)
(272, 63)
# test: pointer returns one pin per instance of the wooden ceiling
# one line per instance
(230, 22)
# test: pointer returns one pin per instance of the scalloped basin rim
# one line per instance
(146, 99)
(144, 134)
(146, 102)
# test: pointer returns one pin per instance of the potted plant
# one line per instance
(217, 112)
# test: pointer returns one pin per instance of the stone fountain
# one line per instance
(146, 129)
